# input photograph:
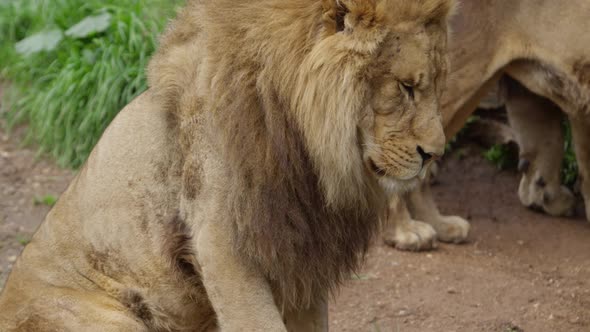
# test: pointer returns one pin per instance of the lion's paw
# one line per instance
(413, 235)
(554, 199)
(452, 229)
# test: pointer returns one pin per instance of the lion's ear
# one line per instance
(341, 11)
(334, 15)
(438, 11)
(343, 15)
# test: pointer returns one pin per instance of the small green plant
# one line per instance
(48, 200)
(569, 169)
(22, 240)
(501, 156)
(513, 329)
(359, 277)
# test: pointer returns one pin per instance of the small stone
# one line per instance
(452, 291)
(520, 242)
(574, 320)
(12, 259)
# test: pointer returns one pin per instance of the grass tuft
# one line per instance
(48, 200)
(569, 168)
(502, 156)
(22, 240)
(69, 92)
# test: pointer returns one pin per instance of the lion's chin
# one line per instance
(393, 186)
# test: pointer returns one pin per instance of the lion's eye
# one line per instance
(408, 89)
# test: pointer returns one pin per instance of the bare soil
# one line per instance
(520, 271)
(25, 180)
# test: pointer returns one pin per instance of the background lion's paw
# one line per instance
(413, 235)
(452, 229)
(552, 198)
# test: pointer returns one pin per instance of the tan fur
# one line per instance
(541, 45)
(537, 123)
(245, 185)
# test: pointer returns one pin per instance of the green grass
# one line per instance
(23, 240)
(569, 169)
(513, 329)
(69, 93)
(48, 200)
(501, 156)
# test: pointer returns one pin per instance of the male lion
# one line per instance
(246, 183)
(541, 46)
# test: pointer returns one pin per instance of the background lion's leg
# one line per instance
(581, 136)
(404, 233)
(313, 319)
(422, 206)
(239, 293)
(537, 125)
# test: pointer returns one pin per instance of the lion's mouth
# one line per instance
(376, 169)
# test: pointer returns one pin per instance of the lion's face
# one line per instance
(401, 129)
(367, 94)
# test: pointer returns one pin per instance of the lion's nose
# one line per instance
(426, 157)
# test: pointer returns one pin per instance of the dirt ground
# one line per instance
(520, 271)
(24, 181)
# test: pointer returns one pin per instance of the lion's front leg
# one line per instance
(239, 293)
(581, 136)
(403, 232)
(537, 126)
(312, 319)
(422, 206)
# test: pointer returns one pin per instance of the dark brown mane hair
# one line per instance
(274, 199)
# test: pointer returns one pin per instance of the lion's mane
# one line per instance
(281, 107)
